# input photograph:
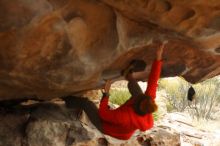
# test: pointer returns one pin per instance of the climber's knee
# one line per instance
(74, 101)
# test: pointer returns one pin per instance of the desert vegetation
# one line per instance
(206, 102)
(205, 107)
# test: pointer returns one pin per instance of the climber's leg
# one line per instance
(74, 101)
(88, 106)
(135, 66)
(134, 88)
(92, 112)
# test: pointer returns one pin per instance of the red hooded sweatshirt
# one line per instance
(122, 122)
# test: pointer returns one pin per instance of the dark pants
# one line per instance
(91, 109)
(88, 106)
(134, 88)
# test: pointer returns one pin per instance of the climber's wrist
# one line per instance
(105, 94)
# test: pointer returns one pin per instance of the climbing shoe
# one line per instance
(135, 66)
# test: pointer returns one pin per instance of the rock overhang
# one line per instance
(52, 49)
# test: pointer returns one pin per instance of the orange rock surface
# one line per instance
(53, 48)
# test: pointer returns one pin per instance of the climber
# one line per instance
(134, 114)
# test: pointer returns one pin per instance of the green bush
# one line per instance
(206, 99)
(176, 89)
(156, 115)
(119, 96)
(169, 107)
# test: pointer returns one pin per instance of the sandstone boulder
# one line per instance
(49, 124)
(53, 48)
(52, 124)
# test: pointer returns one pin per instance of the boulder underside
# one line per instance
(53, 48)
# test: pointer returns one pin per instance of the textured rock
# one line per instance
(50, 127)
(189, 135)
(52, 48)
(45, 124)
(49, 124)
(11, 128)
(160, 136)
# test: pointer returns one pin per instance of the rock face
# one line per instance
(45, 124)
(49, 124)
(189, 135)
(53, 48)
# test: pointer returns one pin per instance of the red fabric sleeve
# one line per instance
(153, 79)
(104, 112)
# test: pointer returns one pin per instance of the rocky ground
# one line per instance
(50, 124)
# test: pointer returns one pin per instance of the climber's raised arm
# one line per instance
(155, 73)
